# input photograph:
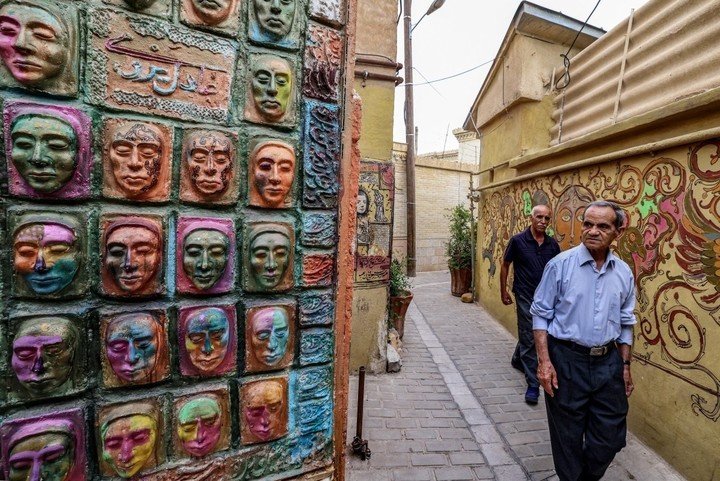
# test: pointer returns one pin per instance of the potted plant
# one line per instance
(400, 295)
(459, 249)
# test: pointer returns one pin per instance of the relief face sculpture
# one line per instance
(137, 160)
(129, 434)
(37, 46)
(135, 348)
(43, 354)
(210, 12)
(264, 410)
(207, 341)
(272, 19)
(132, 257)
(268, 334)
(207, 255)
(271, 89)
(49, 148)
(47, 448)
(46, 257)
(208, 167)
(200, 425)
(272, 171)
(269, 258)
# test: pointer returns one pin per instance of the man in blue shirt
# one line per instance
(528, 251)
(583, 324)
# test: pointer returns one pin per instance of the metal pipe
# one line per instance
(360, 445)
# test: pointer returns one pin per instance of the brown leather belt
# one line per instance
(595, 351)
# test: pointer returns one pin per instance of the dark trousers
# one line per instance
(525, 353)
(587, 415)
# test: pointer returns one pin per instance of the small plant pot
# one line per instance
(460, 280)
(398, 308)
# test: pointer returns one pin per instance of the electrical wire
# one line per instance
(566, 60)
(429, 82)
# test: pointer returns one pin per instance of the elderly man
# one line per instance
(583, 324)
(529, 251)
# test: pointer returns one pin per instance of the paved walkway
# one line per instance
(456, 411)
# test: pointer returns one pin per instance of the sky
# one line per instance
(459, 36)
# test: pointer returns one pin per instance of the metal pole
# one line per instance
(409, 140)
(360, 445)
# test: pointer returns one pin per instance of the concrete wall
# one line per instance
(441, 182)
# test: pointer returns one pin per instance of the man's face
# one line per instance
(132, 257)
(207, 339)
(42, 354)
(33, 43)
(362, 203)
(270, 333)
(269, 257)
(199, 426)
(275, 17)
(135, 152)
(273, 172)
(210, 162)
(205, 257)
(272, 87)
(131, 344)
(46, 256)
(44, 456)
(212, 12)
(540, 219)
(264, 410)
(44, 151)
(598, 228)
(129, 443)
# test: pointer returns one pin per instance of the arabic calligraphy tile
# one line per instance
(316, 346)
(323, 59)
(317, 308)
(47, 63)
(318, 269)
(314, 383)
(150, 66)
(321, 155)
(328, 11)
(319, 229)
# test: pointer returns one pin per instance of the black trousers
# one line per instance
(525, 352)
(587, 415)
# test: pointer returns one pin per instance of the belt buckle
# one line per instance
(598, 350)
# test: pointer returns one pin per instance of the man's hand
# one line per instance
(627, 377)
(506, 299)
(547, 377)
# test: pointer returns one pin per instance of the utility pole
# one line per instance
(410, 131)
(409, 140)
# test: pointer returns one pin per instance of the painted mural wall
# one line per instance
(672, 243)
(170, 181)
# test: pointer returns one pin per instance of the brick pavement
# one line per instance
(456, 411)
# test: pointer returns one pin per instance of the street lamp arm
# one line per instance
(433, 8)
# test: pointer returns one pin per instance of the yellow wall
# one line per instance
(378, 98)
(673, 200)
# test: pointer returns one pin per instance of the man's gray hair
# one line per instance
(619, 212)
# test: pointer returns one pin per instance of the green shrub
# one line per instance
(458, 248)
(399, 281)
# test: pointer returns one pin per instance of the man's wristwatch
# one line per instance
(626, 362)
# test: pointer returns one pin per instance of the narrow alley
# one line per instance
(456, 410)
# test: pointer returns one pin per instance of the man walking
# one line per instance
(528, 251)
(583, 323)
